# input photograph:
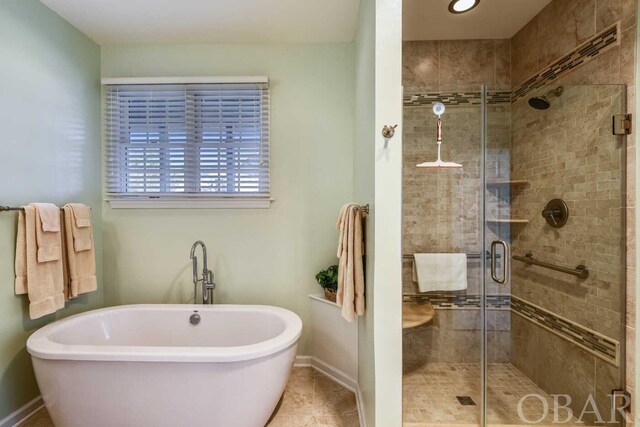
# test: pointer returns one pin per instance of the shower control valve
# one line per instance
(556, 213)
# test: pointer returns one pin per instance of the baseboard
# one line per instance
(360, 404)
(22, 414)
(335, 374)
(300, 362)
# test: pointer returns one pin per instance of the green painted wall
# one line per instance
(50, 151)
(364, 190)
(261, 256)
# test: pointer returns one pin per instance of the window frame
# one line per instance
(199, 199)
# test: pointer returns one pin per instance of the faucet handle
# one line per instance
(210, 279)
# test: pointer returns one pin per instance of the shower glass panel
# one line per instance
(442, 213)
(554, 286)
(536, 334)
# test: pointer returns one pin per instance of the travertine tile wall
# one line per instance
(442, 214)
(455, 336)
(441, 208)
(568, 152)
(559, 367)
(456, 64)
(560, 27)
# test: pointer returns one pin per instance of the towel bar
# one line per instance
(364, 208)
(10, 209)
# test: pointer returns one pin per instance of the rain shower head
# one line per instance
(542, 102)
(539, 102)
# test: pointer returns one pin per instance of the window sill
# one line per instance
(190, 204)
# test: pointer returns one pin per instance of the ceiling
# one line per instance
(491, 19)
(115, 22)
(118, 22)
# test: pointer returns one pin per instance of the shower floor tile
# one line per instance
(430, 395)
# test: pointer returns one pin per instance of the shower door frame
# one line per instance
(483, 259)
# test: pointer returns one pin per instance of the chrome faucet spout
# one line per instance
(208, 284)
(195, 246)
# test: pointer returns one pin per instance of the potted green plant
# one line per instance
(328, 279)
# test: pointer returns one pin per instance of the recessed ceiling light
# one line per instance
(462, 6)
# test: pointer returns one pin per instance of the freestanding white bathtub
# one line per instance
(147, 365)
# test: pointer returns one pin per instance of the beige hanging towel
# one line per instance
(350, 294)
(48, 236)
(80, 253)
(20, 285)
(48, 215)
(41, 280)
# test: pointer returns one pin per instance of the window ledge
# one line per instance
(190, 204)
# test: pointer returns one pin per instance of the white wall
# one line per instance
(49, 152)
(259, 256)
(388, 191)
(378, 180)
(364, 192)
(334, 342)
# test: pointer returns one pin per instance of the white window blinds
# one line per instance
(183, 141)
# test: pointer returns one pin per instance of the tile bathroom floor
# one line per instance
(430, 390)
(310, 400)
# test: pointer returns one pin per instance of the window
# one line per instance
(187, 144)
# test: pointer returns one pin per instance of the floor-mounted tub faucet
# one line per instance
(208, 284)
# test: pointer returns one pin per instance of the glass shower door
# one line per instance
(553, 294)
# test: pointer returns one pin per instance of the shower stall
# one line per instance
(538, 334)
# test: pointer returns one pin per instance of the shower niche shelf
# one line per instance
(508, 221)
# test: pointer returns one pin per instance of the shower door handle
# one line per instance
(505, 263)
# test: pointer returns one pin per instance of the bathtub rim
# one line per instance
(41, 346)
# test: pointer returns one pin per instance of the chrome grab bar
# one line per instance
(505, 265)
(580, 271)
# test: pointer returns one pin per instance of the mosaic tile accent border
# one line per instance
(455, 98)
(601, 346)
(582, 54)
(457, 301)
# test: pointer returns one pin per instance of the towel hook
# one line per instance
(389, 131)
